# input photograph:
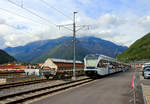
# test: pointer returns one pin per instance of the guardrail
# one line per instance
(135, 83)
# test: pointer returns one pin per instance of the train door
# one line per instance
(107, 68)
(102, 67)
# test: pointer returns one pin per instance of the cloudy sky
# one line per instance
(120, 21)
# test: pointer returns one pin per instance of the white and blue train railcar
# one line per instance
(100, 65)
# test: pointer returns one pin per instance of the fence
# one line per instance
(135, 86)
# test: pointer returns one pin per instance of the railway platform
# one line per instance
(146, 92)
(112, 89)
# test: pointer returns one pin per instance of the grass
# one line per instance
(139, 50)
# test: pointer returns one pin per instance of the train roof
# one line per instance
(100, 56)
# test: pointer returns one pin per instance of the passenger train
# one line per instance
(100, 65)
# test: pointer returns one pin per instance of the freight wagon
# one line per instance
(60, 68)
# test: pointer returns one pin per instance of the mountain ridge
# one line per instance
(5, 57)
(63, 48)
(139, 50)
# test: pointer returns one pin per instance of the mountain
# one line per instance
(139, 50)
(33, 50)
(63, 48)
(64, 51)
(5, 58)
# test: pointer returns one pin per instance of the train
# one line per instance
(60, 68)
(96, 65)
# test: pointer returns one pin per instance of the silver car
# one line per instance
(147, 73)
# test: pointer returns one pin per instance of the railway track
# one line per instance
(6, 86)
(35, 93)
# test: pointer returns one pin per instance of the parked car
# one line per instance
(144, 69)
(147, 73)
(145, 65)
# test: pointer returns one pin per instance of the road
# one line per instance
(112, 89)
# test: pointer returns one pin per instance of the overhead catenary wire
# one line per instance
(16, 29)
(32, 12)
(25, 32)
(37, 22)
(32, 20)
(55, 9)
(35, 14)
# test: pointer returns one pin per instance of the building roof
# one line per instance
(65, 61)
(12, 67)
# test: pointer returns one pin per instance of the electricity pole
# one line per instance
(74, 40)
(74, 46)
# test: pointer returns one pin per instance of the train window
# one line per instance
(110, 65)
(102, 64)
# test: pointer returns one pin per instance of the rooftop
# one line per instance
(63, 60)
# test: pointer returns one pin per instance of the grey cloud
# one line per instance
(2, 21)
(111, 20)
(108, 26)
(2, 43)
(144, 22)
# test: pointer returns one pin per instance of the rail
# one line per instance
(6, 86)
(30, 94)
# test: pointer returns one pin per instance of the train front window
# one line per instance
(91, 63)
